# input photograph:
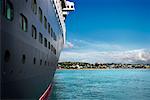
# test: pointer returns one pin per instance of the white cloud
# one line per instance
(81, 45)
(92, 52)
(68, 45)
(133, 56)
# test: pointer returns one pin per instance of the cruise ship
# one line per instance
(32, 35)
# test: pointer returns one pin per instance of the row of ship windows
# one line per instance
(40, 14)
(10, 15)
(7, 58)
(24, 26)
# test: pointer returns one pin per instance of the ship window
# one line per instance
(45, 42)
(23, 59)
(52, 48)
(7, 56)
(49, 28)
(40, 14)
(45, 63)
(51, 32)
(54, 36)
(45, 22)
(41, 62)
(34, 6)
(34, 32)
(49, 45)
(62, 35)
(24, 23)
(71, 6)
(67, 6)
(54, 51)
(48, 63)
(34, 60)
(40, 38)
(9, 10)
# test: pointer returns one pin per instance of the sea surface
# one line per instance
(101, 85)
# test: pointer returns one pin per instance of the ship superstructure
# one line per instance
(32, 37)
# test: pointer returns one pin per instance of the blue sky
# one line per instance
(107, 31)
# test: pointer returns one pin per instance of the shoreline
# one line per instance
(107, 69)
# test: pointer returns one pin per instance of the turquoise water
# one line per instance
(101, 85)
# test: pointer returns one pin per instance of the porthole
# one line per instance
(34, 60)
(23, 59)
(7, 56)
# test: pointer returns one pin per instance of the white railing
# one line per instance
(59, 14)
(62, 10)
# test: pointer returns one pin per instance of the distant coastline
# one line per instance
(105, 69)
(99, 66)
